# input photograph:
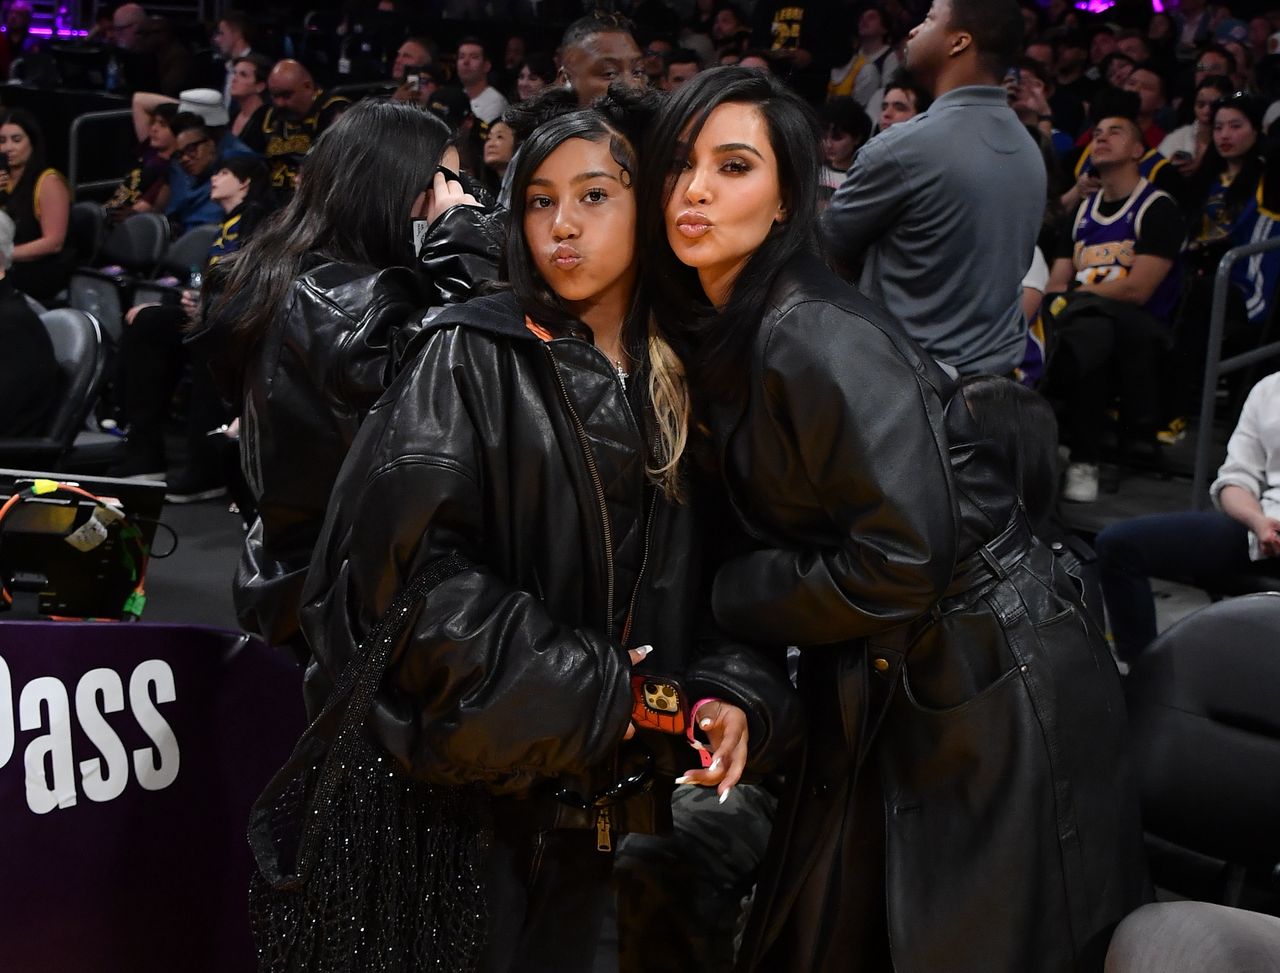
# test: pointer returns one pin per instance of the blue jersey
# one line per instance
(1256, 276)
(1105, 247)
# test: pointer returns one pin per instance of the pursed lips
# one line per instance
(693, 224)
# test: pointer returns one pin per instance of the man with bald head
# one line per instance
(597, 50)
(299, 112)
(125, 25)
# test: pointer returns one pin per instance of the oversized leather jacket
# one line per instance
(306, 388)
(526, 457)
(949, 672)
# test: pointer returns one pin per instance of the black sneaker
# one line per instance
(189, 488)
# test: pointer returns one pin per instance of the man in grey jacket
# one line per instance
(943, 210)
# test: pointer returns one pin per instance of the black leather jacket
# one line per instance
(526, 457)
(946, 663)
(307, 385)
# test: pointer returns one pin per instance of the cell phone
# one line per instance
(4, 162)
(413, 81)
(1180, 157)
(658, 703)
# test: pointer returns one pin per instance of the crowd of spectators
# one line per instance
(1151, 128)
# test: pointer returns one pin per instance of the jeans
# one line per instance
(1192, 547)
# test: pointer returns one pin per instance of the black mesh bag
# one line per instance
(360, 867)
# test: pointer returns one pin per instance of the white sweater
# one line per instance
(1253, 453)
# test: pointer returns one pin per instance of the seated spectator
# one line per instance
(1234, 200)
(535, 73)
(1214, 60)
(681, 65)
(1115, 70)
(873, 63)
(418, 86)
(413, 56)
(38, 200)
(299, 113)
(30, 379)
(1110, 334)
(1241, 536)
(729, 28)
(1146, 81)
(1029, 85)
(145, 187)
(16, 35)
(845, 127)
(152, 355)
(1071, 79)
(499, 147)
(473, 69)
(904, 98)
(196, 155)
(655, 51)
(248, 89)
(1185, 146)
(231, 42)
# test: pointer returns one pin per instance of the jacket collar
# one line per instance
(972, 95)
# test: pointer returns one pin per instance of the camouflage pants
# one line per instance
(683, 897)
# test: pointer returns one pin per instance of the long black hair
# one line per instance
(1213, 165)
(618, 117)
(35, 165)
(715, 345)
(353, 206)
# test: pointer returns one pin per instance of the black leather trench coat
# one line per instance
(526, 457)
(964, 802)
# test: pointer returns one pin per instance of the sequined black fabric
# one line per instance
(362, 869)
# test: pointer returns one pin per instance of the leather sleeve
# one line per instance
(486, 686)
(857, 418)
(460, 252)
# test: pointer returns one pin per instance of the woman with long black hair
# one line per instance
(963, 803)
(38, 200)
(304, 326)
(534, 444)
(1234, 200)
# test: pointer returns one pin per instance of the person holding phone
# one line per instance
(966, 721)
(538, 436)
(38, 200)
(305, 327)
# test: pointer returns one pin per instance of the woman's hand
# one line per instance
(636, 656)
(1267, 530)
(444, 195)
(726, 727)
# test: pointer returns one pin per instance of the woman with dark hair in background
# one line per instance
(304, 326)
(966, 724)
(38, 200)
(536, 71)
(1186, 145)
(1233, 199)
(534, 447)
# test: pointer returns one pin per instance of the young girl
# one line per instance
(963, 802)
(536, 438)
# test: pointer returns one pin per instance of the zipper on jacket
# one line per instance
(644, 558)
(594, 472)
(604, 830)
